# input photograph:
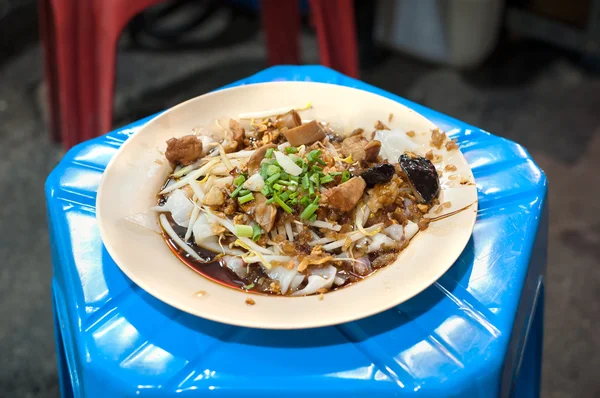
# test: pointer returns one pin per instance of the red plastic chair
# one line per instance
(59, 41)
(85, 80)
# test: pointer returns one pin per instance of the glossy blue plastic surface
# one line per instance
(463, 336)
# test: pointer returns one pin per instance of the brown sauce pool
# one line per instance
(212, 268)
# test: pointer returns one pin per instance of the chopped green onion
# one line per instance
(326, 179)
(345, 176)
(291, 149)
(335, 173)
(313, 218)
(305, 201)
(239, 180)
(294, 195)
(272, 169)
(243, 231)
(292, 187)
(270, 201)
(277, 187)
(313, 155)
(282, 204)
(284, 176)
(310, 209)
(293, 202)
(266, 190)
(236, 192)
(316, 169)
(263, 171)
(305, 182)
(304, 167)
(245, 192)
(248, 287)
(273, 178)
(315, 178)
(285, 196)
(256, 232)
(283, 182)
(269, 153)
(296, 179)
(246, 198)
(311, 189)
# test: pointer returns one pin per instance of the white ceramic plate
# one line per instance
(136, 173)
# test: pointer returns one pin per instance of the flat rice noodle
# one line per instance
(283, 275)
(321, 278)
(237, 265)
(180, 207)
(296, 281)
(379, 241)
(395, 231)
(394, 143)
(410, 230)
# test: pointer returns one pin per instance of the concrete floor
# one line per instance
(536, 96)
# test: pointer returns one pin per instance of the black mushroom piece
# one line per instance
(378, 174)
(422, 176)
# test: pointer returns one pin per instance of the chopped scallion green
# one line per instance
(272, 169)
(269, 153)
(327, 178)
(315, 178)
(305, 201)
(291, 149)
(273, 178)
(345, 176)
(245, 192)
(313, 155)
(239, 180)
(236, 192)
(305, 182)
(310, 209)
(243, 231)
(246, 199)
(256, 232)
(277, 187)
(282, 204)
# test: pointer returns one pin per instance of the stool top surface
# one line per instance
(453, 338)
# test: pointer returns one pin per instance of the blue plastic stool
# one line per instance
(477, 332)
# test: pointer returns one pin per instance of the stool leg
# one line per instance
(281, 23)
(336, 32)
